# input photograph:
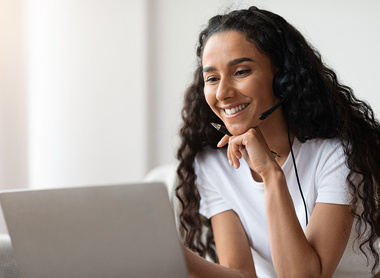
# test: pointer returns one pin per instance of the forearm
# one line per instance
(292, 254)
(199, 267)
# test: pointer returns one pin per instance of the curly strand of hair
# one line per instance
(195, 229)
(359, 132)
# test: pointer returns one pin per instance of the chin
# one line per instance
(237, 130)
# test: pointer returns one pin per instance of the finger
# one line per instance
(243, 151)
(233, 160)
(235, 149)
(234, 153)
(229, 156)
(223, 141)
(236, 163)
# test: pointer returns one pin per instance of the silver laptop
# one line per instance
(98, 231)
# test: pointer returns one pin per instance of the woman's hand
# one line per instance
(252, 146)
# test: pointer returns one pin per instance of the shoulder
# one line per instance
(322, 145)
(323, 158)
(210, 157)
(209, 153)
(212, 164)
(327, 161)
(322, 149)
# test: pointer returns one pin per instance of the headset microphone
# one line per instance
(267, 113)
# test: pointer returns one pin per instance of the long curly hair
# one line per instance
(317, 106)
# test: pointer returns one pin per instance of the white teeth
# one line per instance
(236, 109)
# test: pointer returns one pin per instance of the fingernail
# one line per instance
(230, 162)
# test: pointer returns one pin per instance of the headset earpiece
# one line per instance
(280, 81)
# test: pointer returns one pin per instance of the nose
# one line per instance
(225, 89)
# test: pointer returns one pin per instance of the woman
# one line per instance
(298, 169)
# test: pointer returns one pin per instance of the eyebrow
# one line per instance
(230, 63)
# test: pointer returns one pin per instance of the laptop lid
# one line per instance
(98, 231)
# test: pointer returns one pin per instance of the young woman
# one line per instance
(292, 190)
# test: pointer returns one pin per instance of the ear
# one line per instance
(280, 81)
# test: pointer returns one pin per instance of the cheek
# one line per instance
(210, 98)
(211, 101)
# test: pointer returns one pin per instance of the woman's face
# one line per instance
(237, 81)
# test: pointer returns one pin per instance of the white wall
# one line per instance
(91, 90)
(13, 96)
(87, 91)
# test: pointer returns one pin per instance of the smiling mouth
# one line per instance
(236, 109)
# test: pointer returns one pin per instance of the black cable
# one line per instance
(298, 180)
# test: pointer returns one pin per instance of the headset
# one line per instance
(280, 82)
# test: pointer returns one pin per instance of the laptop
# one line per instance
(94, 231)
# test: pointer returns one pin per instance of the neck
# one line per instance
(275, 132)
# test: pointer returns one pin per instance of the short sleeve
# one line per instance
(212, 201)
(332, 175)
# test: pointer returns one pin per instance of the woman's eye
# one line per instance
(211, 79)
(242, 72)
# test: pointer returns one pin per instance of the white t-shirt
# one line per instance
(322, 172)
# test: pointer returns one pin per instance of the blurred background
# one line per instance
(91, 90)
